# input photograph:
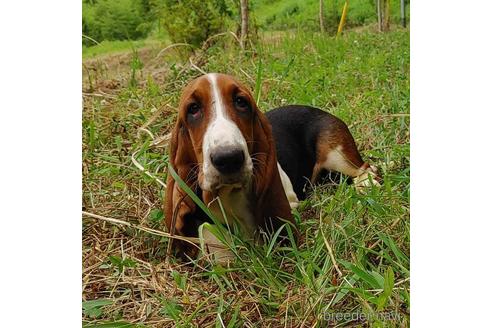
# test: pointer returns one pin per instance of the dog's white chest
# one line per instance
(236, 207)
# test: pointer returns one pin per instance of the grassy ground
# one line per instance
(354, 254)
(109, 47)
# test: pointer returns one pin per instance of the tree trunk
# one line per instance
(386, 15)
(402, 12)
(321, 16)
(244, 22)
(380, 19)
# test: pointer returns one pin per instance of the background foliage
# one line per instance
(193, 21)
(303, 15)
(116, 20)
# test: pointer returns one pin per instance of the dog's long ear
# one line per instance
(272, 207)
(179, 207)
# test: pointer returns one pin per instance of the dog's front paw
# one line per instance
(214, 249)
(367, 179)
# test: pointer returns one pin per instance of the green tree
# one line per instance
(116, 19)
(194, 21)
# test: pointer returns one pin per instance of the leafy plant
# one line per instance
(171, 309)
(135, 65)
(156, 215)
(194, 21)
(120, 263)
(93, 308)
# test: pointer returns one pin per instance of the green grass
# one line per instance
(363, 78)
(115, 46)
(285, 14)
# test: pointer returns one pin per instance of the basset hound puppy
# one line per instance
(223, 147)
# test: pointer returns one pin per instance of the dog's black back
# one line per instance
(296, 129)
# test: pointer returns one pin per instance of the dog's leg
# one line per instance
(348, 162)
(289, 190)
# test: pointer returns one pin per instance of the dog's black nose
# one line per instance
(228, 160)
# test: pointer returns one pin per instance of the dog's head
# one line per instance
(218, 115)
(221, 139)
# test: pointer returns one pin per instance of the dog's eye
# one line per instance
(193, 108)
(241, 104)
(194, 111)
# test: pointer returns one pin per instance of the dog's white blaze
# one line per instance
(289, 190)
(219, 110)
(224, 132)
(221, 132)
